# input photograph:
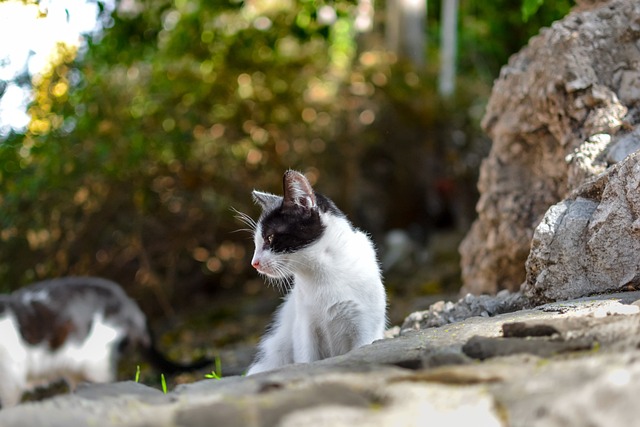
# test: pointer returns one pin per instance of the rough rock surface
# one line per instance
(445, 312)
(571, 363)
(590, 242)
(561, 112)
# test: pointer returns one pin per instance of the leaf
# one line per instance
(164, 383)
(217, 374)
(212, 376)
(529, 8)
(218, 364)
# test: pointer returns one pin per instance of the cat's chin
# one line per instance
(269, 273)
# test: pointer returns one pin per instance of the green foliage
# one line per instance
(213, 376)
(529, 8)
(491, 31)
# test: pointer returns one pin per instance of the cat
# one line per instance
(337, 300)
(72, 329)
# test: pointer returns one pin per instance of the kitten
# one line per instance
(337, 301)
(71, 328)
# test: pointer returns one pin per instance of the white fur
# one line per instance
(24, 367)
(337, 302)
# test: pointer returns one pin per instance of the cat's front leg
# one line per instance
(308, 341)
(348, 328)
(276, 348)
(274, 351)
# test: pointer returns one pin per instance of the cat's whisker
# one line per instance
(296, 263)
(286, 270)
(282, 282)
(249, 230)
(286, 273)
(246, 219)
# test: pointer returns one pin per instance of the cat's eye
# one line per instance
(269, 239)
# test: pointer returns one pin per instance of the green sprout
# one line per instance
(164, 383)
(137, 379)
(217, 373)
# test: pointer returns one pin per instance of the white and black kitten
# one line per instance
(72, 328)
(337, 301)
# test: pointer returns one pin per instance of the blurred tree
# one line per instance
(405, 29)
(448, 48)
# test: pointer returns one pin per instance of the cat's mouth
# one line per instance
(272, 272)
(264, 268)
(266, 271)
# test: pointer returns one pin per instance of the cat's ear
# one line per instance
(297, 191)
(267, 201)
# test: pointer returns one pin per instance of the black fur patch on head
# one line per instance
(289, 229)
(326, 205)
(294, 223)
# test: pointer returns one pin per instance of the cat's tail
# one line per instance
(161, 363)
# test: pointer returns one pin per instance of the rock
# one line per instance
(550, 393)
(624, 146)
(435, 358)
(527, 329)
(630, 87)
(442, 313)
(590, 242)
(441, 385)
(128, 389)
(271, 405)
(484, 348)
(560, 113)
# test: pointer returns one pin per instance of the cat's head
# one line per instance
(289, 224)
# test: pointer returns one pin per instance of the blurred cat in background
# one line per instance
(74, 329)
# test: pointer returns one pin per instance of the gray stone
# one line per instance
(270, 405)
(587, 391)
(125, 388)
(630, 87)
(442, 313)
(590, 242)
(624, 146)
(484, 348)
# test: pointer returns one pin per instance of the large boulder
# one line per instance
(561, 112)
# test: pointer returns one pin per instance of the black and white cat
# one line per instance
(337, 301)
(74, 329)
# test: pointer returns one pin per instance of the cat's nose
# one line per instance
(255, 263)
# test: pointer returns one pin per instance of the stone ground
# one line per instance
(571, 363)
